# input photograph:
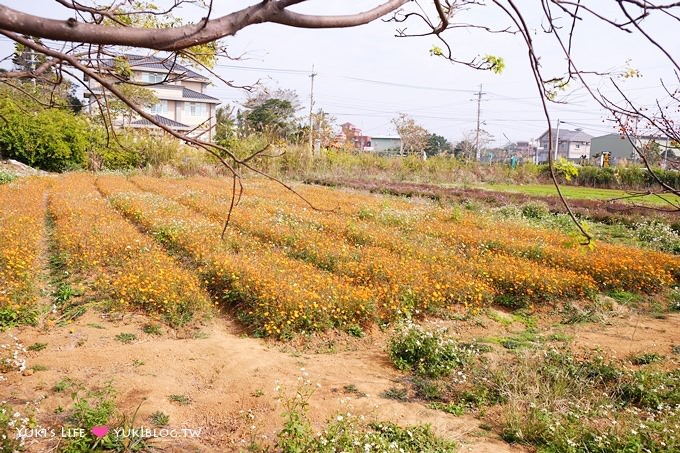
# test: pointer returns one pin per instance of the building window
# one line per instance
(194, 108)
(153, 77)
(160, 108)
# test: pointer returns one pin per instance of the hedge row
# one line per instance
(619, 177)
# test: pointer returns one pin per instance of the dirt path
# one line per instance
(633, 334)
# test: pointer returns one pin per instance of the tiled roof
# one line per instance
(161, 64)
(574, 136)
(162, 120)
(191, 94)
(569, 136)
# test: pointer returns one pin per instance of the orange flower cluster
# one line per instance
(130, 268)
(272, 293)
(401, 284)
(22, 226)
(609, 266)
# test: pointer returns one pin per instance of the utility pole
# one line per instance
(480, 93)
(557, 139)
(311, 107)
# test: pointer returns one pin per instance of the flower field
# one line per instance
(154, 244)
(22, 227)
(120, 264)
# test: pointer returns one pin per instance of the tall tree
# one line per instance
(26, 59)
(414, 137)
(274, 117)
(324, 127)
(464, 150)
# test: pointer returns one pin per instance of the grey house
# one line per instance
(572, 144)
(621, 148)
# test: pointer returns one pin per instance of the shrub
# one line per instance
(348, 433)
(6, 177)
(565, 169)
(658, 235)
(427, 353)
(11, 422)
(51, 139)
(131, 149)
(535, 210)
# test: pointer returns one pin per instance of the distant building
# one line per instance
(620, 146)
(386, 144)
(354, 136)
(183, 104)
(572, 144)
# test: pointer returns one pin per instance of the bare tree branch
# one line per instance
(171, 39)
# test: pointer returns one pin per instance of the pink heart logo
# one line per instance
(100, 431)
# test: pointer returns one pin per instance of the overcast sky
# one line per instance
(367, 76)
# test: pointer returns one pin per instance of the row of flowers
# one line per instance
(287, 267)
(117, 261)
(22, 228)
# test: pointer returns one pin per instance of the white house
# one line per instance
(572, 144)
(183, 104)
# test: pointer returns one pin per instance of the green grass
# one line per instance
(159, 418)
(575, 192)
(152, 329)
(6, 177)
(126, 338)
(395, 393)
(62, 385)
(182, 400)
(37, 347)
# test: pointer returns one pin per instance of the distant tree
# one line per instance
(653, 153)
(225, 126)
(324, 127)
(467, 148)
(464, 150)
(264, 94)
(27, 59)
(272, 115)
(73, 102)
(414, 137)
(35, 68)
(436, 144)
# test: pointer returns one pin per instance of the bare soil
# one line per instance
(231, 379)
